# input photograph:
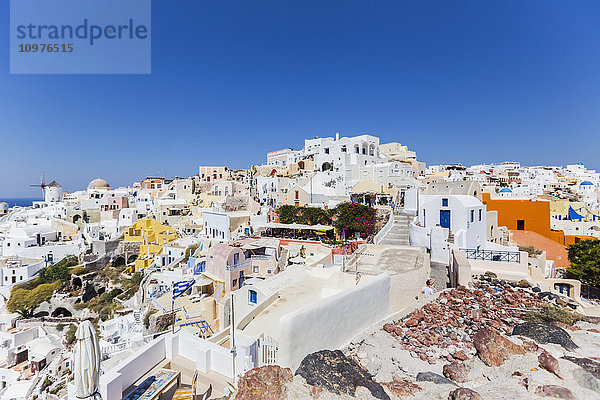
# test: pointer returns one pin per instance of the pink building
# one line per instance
(231, 264)
(115, 203)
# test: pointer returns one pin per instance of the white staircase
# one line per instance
(398, 234)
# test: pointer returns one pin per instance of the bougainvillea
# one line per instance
(353, 217)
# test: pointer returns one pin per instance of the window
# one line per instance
(326, 151)
(480, 212)
(520, 224)
(444, 202)
(297, 195)
(255, 269)
(234, 283)
(252, 297)
(472, 215)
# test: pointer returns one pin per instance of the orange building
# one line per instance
(528, 215)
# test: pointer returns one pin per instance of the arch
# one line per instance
(76, 218)
(132, 258)
(356, 149)
(326, 166)
(300, 164)
(364, 149)
(372, 149)
(119, 261)
(61, 312)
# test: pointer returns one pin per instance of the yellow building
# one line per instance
(153, 236)
(562, 210)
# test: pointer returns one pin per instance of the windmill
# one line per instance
(42, 184)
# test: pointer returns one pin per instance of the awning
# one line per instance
(276, 225)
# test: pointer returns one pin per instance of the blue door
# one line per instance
(445, 218)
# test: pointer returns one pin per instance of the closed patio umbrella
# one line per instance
(87, 362)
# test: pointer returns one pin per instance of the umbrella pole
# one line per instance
(173, 307)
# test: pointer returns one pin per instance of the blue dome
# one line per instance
(505, 190)
(586, 183)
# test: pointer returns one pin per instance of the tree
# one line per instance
(61, 271)
(304, 215)
(584, 257)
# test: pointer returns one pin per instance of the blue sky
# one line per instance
(462, 81)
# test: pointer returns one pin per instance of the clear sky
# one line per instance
(456, 81)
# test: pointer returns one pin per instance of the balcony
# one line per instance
(239, 265)
(493, 255)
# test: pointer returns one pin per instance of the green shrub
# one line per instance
(80, 306)
(21, 298)
(550, 313)
(531, 251)
(60, 327)
(147, 318)
(70, 336)
(79, 270)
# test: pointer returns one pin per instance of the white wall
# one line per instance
(461, 208)
(216, 225)
(411, 201)
(333, 322)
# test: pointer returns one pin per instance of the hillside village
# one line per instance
(344, 269)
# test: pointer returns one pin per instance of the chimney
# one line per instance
(337, 136)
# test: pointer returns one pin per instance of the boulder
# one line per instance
(264, 383)
(592, 319)
(557, 392)
(336, 373)
(402, 388)
(590, 366)
(464, 394)
(586, 380)
(494, 349)
(545, 333)
(429, 376)
(456, 371)
(460, 355)
(523, 283)
(549, 363)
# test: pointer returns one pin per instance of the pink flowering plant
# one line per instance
(353, 217)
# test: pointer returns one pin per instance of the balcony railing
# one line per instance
(260, 257)
(239, 265)
(493, 255)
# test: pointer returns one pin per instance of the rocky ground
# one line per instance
(467, 344)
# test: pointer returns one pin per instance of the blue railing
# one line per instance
(493, 255)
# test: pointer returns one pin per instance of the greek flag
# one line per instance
(180, 287)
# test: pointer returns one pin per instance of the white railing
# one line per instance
(386, 228)
(268, 351)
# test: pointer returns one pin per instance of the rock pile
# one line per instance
(444, 329)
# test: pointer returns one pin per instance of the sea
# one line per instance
(20, 201)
